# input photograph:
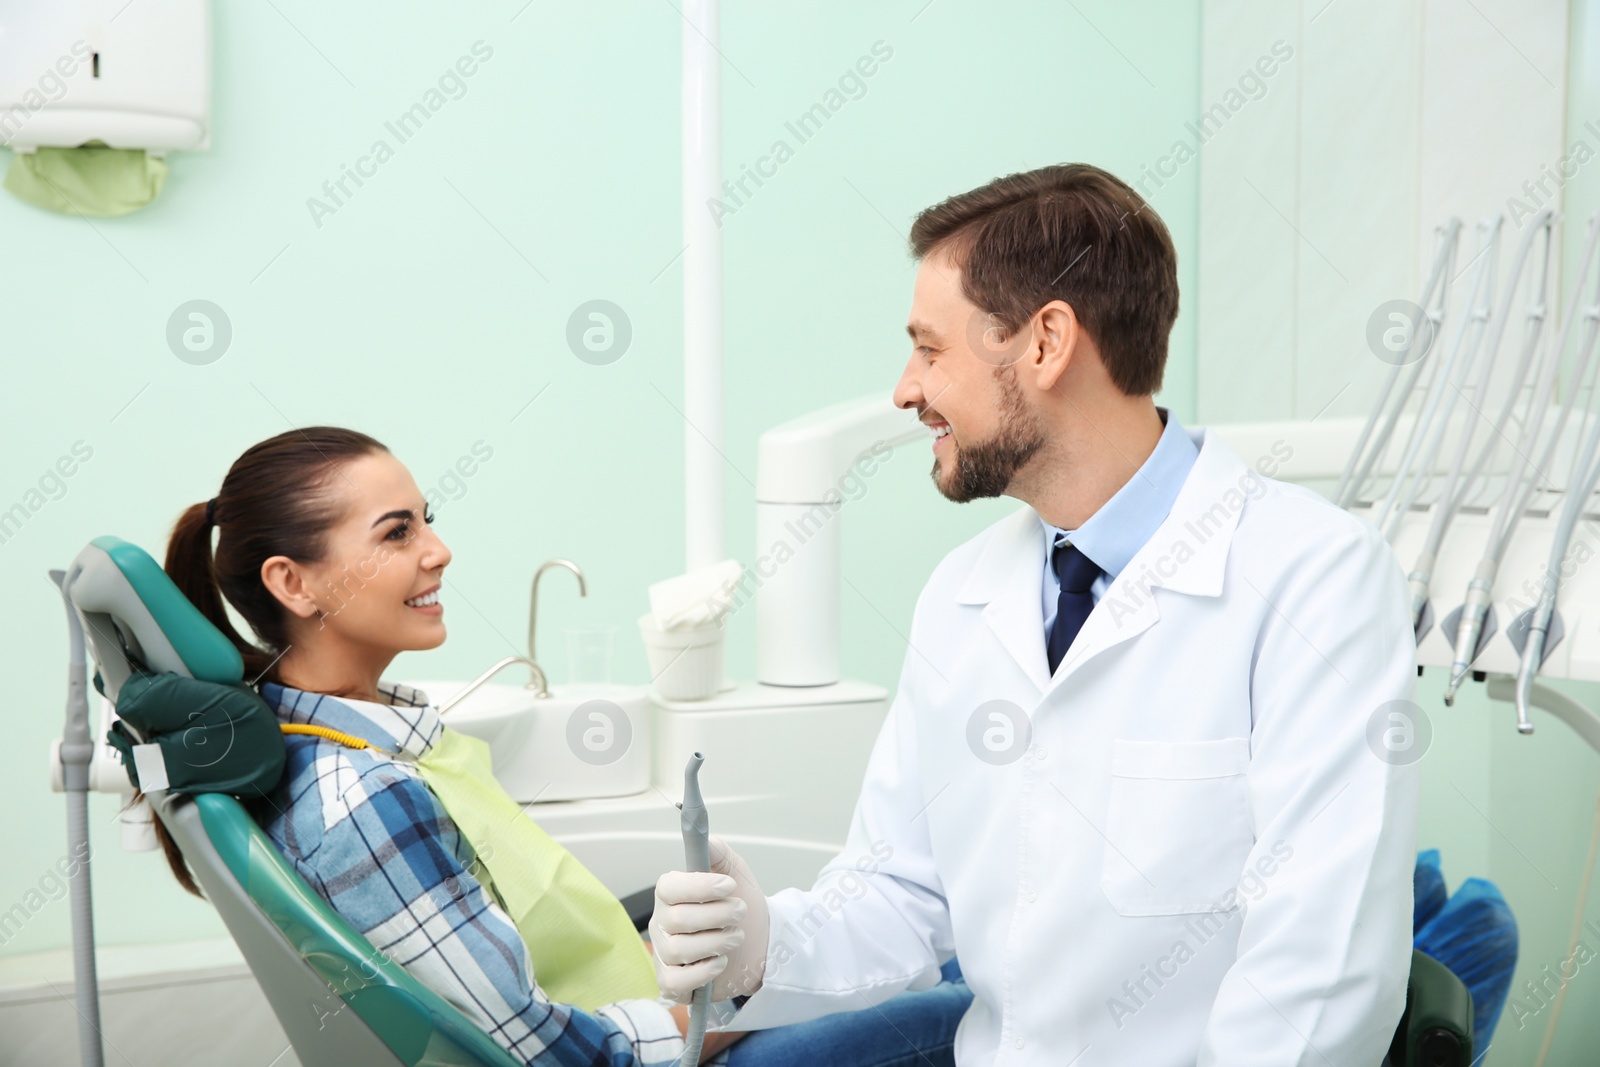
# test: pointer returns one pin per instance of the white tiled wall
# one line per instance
(1318, 200)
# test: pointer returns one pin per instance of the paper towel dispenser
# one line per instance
(132, 74)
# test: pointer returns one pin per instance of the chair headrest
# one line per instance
(136, 619)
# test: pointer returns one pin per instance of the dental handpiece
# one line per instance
(1585, 472)
(1518, 493)
(696, 828)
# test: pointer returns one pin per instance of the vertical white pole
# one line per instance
(702, 285)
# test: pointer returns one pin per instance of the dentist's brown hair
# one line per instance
(1074, 233)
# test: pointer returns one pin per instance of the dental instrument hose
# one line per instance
(1427, 433)
(1580, 486)
(696, 828)
(1458, 487)
(1515, 496)
(1361, 461)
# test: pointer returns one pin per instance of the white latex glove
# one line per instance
(710, 925)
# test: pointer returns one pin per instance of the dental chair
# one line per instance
(1436, 1028)
(309, 962)
(339, 1000)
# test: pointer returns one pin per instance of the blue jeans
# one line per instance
(910, 1030)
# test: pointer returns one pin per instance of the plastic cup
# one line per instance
(685, 664)
(589, 652)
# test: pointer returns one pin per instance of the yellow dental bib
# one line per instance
(584, 948)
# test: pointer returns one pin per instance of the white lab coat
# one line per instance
(1201, 745)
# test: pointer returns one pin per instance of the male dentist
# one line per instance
(1135, 774)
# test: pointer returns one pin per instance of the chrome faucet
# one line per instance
(536, 680)
(533, 612)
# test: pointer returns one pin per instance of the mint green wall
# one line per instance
(431, 308)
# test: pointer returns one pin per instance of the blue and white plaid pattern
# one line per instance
(366, 833)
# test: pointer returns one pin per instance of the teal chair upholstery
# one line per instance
(339, 999)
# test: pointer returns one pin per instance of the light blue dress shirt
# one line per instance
(1113, 534)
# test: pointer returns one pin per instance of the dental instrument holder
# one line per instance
(1471, 629)
(1457, 487)
(1427, 433)
(1537, 630)
(537, 680)
(1320, 449)
(1473, 623)
(696, 826)
(1367, 449)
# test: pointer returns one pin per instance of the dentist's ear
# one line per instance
(1057, 339)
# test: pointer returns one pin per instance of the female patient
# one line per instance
(324, 548)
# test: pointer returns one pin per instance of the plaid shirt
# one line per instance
(364, 831)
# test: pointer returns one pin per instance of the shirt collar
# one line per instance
(407, 723)
(1113, 534)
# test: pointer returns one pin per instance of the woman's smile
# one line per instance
(427, 602)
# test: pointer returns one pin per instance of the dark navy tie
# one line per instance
(1077, 573)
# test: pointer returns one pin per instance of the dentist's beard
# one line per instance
(985, 469)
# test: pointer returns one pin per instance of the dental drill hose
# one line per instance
(696, 828)
(1519, 490)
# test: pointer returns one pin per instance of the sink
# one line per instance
(579, 742)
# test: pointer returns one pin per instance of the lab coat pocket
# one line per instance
(1178, 826)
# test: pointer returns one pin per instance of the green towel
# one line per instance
(89, 180)
(584, 948)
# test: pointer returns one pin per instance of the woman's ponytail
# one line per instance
(192, 567)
